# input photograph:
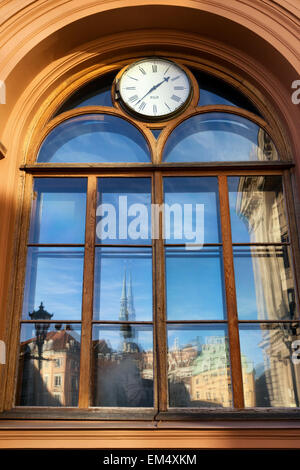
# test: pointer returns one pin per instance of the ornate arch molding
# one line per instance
(60, 79)
(254, 36)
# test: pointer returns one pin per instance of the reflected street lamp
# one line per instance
(41, 328)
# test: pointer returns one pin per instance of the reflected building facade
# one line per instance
(260, 204)
(50, 379)
(199, 374)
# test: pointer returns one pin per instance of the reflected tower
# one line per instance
(130, 301)
(127, 313)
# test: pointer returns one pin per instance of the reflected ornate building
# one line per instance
(260, 204)
(204, 370)
(53, 378)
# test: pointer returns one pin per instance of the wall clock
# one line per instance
(154, 88)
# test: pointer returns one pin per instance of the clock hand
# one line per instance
(152, 89)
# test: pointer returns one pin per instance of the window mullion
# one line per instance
(233, 328)
(159, 313)
(87, 298)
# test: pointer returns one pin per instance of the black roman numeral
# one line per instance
(154, 68)
(142, 70)
(175, 98)
(142, 105)
(133, 98)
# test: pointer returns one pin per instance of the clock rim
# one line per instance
(147, 118)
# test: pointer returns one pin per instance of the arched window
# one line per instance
(159, 264)
(94, 138)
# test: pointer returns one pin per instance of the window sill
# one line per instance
(97, 434)
(188, 416)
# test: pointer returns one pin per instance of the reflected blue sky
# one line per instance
(94, 138)
(136, 191)
(194, 284)
(58, 210)
(194, 190)
(213, 137)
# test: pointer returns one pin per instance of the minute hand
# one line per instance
(152, 89)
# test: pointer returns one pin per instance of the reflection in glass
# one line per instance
(49, 365)
(123, 284)
(54, 277)
(58, 210)
(264, 283)
(212, 137)
(123, 366)
(199, 366)
(95, 93)
(185, 198)
(213, 91)
(194, 284)
(94, 138)
(257, 209)
(124, 211)
(272, 375)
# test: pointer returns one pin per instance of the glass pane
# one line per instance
(156, 132)
(212, 137)
(53, 280)
(49, 365)
(191, 210)
(264, 284)
(257, 209)
(123, 366)
(58, 210)
(194, 283)
(123, 284)
(213, 90)
(199, 366)
(95, 93)
(124, 211)
(94, 138)
(271, 369)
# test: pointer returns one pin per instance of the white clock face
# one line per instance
(154, 88)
